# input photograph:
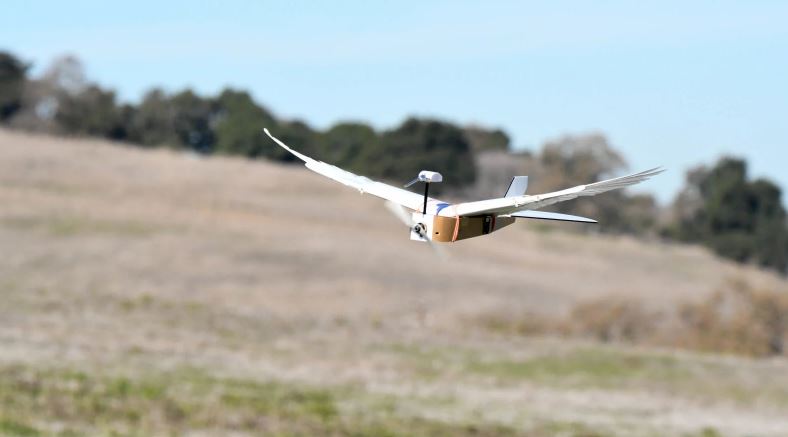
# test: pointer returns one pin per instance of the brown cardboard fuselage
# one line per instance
(449, 229)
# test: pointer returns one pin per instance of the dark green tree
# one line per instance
(153, 120)
(421, 144)
(239, 127)
(739, 219)
(296, 134)
(192, 118)
(343, 143)
(482, 139)
(13, 76)
(90, 112)
(771, 231)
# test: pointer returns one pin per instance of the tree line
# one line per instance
(719, 207)
(63, 101)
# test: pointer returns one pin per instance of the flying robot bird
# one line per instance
(432, 220)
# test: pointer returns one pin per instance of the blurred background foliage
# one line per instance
(719, 207)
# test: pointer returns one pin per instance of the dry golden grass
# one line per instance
(736, 319)
(120, 262)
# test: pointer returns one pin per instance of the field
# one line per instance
(155, 292)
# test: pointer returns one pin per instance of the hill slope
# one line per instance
(141, 263)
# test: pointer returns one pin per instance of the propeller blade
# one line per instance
(437, 249)
(411, 182)
(400, 213)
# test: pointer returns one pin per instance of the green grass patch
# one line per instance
(187, 400)
(595, 367)
(583, 367)
(600, 367)
(14, 428)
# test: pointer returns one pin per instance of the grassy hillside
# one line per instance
(162, 292)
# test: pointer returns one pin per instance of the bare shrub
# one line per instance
(739, 319)
(524, 323)
(613, 319)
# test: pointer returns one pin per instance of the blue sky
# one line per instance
(669, 83)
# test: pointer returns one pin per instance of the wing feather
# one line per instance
(593, 189)
(362, 183)
(505, 206)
